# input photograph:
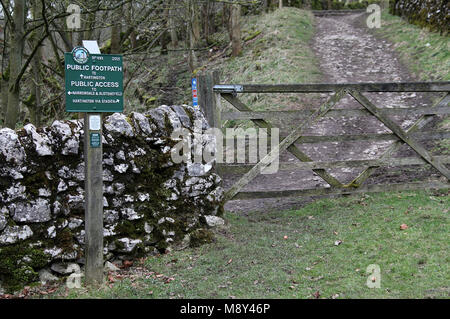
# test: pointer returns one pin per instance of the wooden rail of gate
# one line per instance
(210, 93)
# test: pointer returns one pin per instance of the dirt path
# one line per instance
(348, 52)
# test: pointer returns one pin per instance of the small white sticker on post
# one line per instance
(91, 46)
(94, 122)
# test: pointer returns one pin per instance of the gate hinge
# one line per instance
(225, 88)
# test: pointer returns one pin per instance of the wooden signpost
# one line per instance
(94, 84)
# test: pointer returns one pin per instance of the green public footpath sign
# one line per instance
(94, 82)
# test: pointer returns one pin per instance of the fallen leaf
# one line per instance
(52, 290)
(26, 291)
(403, 226)
(229, 261)
(316, 294)
(316, 279)
(337, 242)
(285, 237)
(127, 263)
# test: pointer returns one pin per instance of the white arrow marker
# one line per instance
(81, 75)
(69, 92)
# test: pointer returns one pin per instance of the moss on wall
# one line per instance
(430, 14)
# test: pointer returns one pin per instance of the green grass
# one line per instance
(251, 258)
(280, 53)
(427, 54)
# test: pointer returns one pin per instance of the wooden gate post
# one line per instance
(209, 101)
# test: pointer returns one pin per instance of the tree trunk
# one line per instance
(129, 9)
(5, 69)
(192, 59)
(35, 108)
(236, 29)
(227, 9)
(194, 21)
(206, 20)
(172, 27)
(280, 4)
(190, 38)
(115, 33)
(89, 28)
(5, 86)
(265, 6)
(225, 22)
(15, 64)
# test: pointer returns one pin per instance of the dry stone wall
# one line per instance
(151, 204)
(432, 14)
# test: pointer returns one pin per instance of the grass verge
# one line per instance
(279, 53)
(252, 258)
(427, 54)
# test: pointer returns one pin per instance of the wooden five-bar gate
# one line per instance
(211, 92)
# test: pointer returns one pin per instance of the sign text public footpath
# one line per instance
(95, 83)
(194, 92)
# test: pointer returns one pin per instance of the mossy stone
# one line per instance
(200, 237)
